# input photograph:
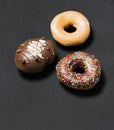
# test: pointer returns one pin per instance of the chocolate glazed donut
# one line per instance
(79, 70)
(34, 55)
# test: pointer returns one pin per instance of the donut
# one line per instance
(70, 28)
(34, 55)
(79, 70)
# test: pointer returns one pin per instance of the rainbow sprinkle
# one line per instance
(86, 80)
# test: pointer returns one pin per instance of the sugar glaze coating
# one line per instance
(70, 19)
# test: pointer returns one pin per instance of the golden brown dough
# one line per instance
(70, 28)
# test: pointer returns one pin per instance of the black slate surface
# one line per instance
(41, 102)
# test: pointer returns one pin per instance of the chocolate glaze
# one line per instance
(34, 55)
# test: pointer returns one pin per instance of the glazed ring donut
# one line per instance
(70, 28)
(79, 70)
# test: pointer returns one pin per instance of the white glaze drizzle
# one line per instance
(36, 47)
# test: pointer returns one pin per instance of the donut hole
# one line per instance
(79, 70)
(70, 28)
(78, 66)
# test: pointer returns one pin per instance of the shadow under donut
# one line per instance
(83, 46)
(41, 75)
(86, 93)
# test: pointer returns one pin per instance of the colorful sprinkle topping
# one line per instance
(79, 70)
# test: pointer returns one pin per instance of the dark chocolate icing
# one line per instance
(34, 55)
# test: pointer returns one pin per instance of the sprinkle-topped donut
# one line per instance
(79, 70)
(70, 28)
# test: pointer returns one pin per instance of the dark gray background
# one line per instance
(41, 102)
